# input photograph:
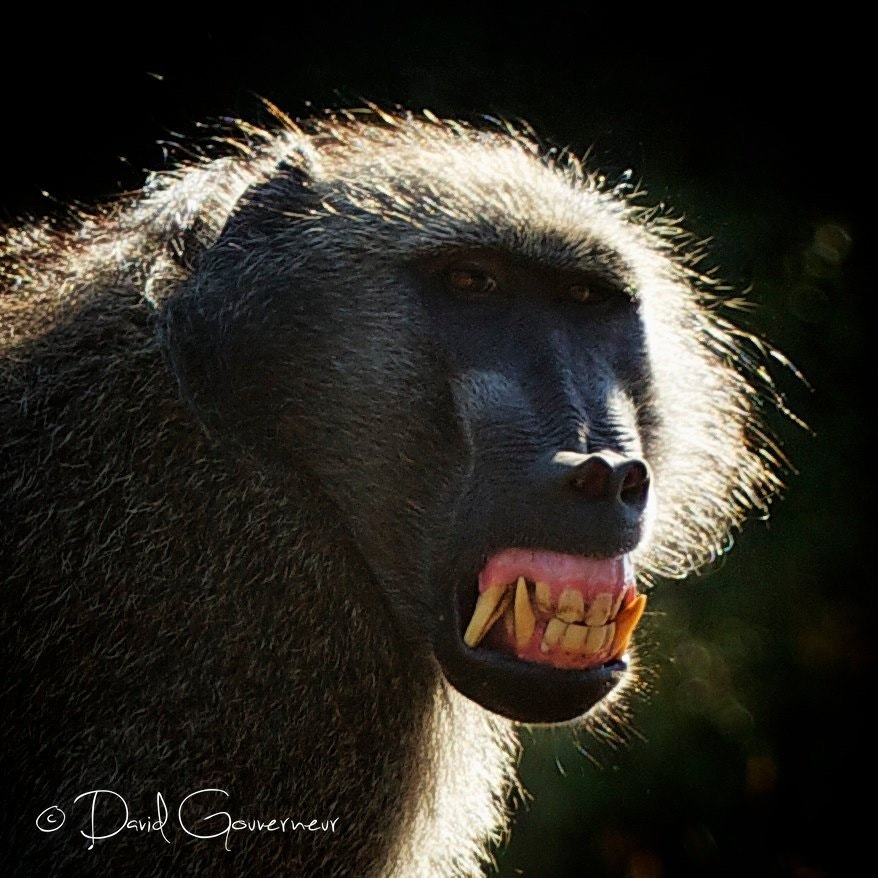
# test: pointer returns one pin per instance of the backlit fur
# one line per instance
(176, 617)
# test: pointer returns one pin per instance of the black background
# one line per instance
(746, 751)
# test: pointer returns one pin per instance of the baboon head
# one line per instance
(505, 379)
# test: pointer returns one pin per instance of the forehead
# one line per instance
(435, 186)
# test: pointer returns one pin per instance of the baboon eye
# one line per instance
(591, 293)
(472, 281)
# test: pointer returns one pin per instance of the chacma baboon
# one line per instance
(324, 463)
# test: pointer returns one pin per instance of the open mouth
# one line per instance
(553, 609)
(545, 635)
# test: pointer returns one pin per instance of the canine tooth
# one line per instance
(553, 633)
(489, 607)
(617, 604)
(626, 622)
(525, 621)
(600, 609)
(570, 606)
(543, 595)
(574, 637)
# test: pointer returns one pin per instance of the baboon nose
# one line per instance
(606, 475)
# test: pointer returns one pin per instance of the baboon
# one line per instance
(328, 458)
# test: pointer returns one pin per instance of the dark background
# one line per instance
(748, 748)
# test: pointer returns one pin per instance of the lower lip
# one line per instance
(532, 693)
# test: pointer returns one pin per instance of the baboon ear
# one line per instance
(222, 329)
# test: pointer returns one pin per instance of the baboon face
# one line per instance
(546, 367)
(463, 345)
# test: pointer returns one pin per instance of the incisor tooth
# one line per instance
(609, 633)
(570, 606)
(489, 607)
(626, 622)
(596, 639)
(553, 633)
(543, 595)
(600, 609)
(525, 621)
(574, 638)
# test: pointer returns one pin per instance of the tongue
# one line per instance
(592, 607)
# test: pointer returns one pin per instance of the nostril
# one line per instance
(593, 478)
(635, 483)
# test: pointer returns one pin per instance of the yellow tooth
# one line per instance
(600, 609)
(489, 607)
(574, 638)
(609, 633)
(617, 604)
(599, 639)
(595, 641)
(626, 622)
(525, 621)
(543, 595)
(553, 633)
(570, 606)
